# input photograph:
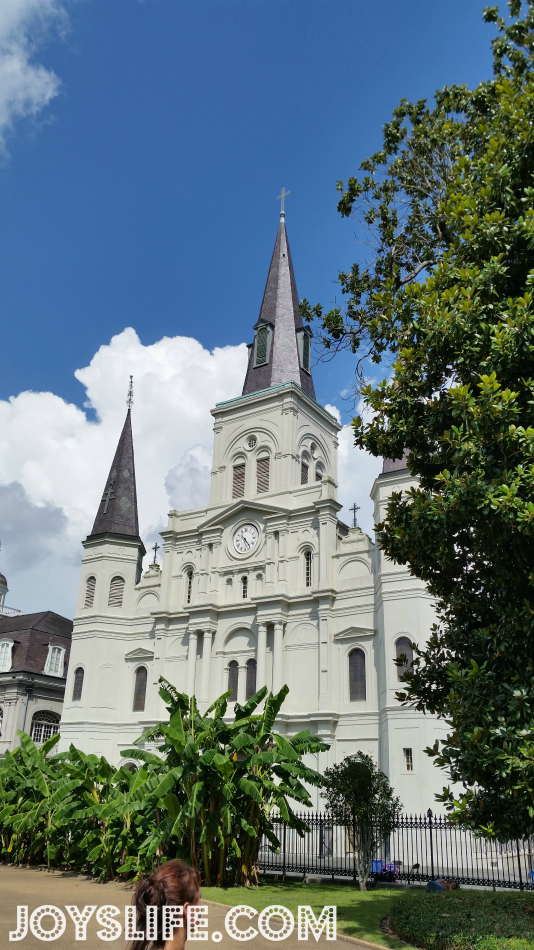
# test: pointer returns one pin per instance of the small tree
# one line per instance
(359, 795)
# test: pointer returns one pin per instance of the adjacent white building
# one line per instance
(265, 585)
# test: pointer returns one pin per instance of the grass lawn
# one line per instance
(358, 913)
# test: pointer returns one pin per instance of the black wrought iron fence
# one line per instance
(423, 848)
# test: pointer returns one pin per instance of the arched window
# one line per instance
(357, 684)
(189, 587)
(319, 472)
(116, 592)
(140, 689)
(262, 475)
(44, 725)
(78, 685)
(403, 648)
(244, 587)
(251, 678)
(308, 568)
(304, 472)
(233, 674)
(238, 483)
(90, 586)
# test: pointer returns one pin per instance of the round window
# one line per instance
(252, 441)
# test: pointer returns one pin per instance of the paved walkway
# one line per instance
(36, 887)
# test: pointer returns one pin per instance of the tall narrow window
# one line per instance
(308, 568)
(305, 351)
(262, 475)
(44, 725)
(116, 592)
(319, 472)
(189, 587)
(90, 586)
(140, 689)
(238, 484)
(78, 685)
(404, 650)
(251, 678)
(408, 760)
(233, 674)
(357, 684)
(244, 587)
(5, 656)
(304, 472)
(261, 346)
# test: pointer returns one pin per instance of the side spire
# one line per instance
(281, 349)
(117, 513)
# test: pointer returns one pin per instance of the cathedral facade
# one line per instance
(263, 586)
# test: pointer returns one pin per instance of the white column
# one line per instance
(242, 684)
(205, 674)
(261, 678)
(278, 655)
(191, 662)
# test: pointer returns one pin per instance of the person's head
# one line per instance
(173, 883)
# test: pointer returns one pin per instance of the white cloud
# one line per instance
(357, 471)
(26, 87)
(54, 460)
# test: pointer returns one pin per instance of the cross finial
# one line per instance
(281, 198)
(129, 398)
(155, 550)
(354, 509)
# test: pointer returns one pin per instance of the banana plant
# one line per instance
(219, 785)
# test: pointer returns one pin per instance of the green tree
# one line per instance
(359, 796)
(219, 785)
(449, 202)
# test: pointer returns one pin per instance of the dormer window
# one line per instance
(6, 646)
(304, 335)
(55, 660)
(262, 344)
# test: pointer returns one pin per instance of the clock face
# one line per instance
(246, 538)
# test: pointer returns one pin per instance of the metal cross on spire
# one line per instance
(129, 398)
(155, 550)
(281, 198)
(354, 509)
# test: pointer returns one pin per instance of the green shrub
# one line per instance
(465, 920)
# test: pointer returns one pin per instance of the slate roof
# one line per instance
(280, 308)
(117, 513)
(395, 465)
(32, 633)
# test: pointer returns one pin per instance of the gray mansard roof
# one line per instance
(280, 309)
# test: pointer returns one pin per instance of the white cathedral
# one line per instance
(263, 586)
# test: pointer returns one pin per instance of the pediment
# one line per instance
(139, 654)
(353, 633)
(238, 507)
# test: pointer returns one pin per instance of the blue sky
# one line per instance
(142, 146)
(144, 193)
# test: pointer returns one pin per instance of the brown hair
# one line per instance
(173, 883)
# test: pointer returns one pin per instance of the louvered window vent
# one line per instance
(238, 486)
(261, 346)
(116, 592)
(263, 474)
(90, 587)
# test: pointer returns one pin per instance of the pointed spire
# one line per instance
(280, 312)
(117, 513)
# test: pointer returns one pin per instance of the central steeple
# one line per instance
(282, 345)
